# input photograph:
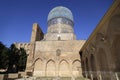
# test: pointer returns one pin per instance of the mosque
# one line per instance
(55, 53)
(58, 54)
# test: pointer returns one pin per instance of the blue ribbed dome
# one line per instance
(60, 11)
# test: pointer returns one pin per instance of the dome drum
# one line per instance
(61, 20)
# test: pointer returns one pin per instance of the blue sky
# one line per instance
(18, 16)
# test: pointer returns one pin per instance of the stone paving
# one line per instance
(52, 78)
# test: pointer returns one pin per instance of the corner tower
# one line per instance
(60, 24)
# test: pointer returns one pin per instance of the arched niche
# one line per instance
(50, 68)
(76, 68)
(92, 63)
(86, 66)
(93, 70)
(64, 69)
(113, 34)
(102, 60)
(38, 67)
(83, 68)
(116, 52)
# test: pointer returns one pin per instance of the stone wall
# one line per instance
(37, 33)
(26, 46)
(11, 76)
(57, 58)
(100, 54)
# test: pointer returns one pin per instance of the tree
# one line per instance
(22, 59)
(17, 59)
(13, 59)
(4, 56)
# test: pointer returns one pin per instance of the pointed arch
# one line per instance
(64, 68)
(63, 60)
(76, 60)
(76, 68)
(102, 60)
(38, 67)
(50, 68)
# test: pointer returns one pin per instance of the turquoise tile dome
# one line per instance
(60, 11)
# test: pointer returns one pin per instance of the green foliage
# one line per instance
(22, 59)
(12, 59)
(4, 56)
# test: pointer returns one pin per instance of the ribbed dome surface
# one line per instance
(60, 11)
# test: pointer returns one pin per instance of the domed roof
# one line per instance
(60, 11)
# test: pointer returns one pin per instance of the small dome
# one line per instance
(60, 11)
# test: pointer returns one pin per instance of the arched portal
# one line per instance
(64, 69)
(76, 68)
(50, 68)
(38, 67)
